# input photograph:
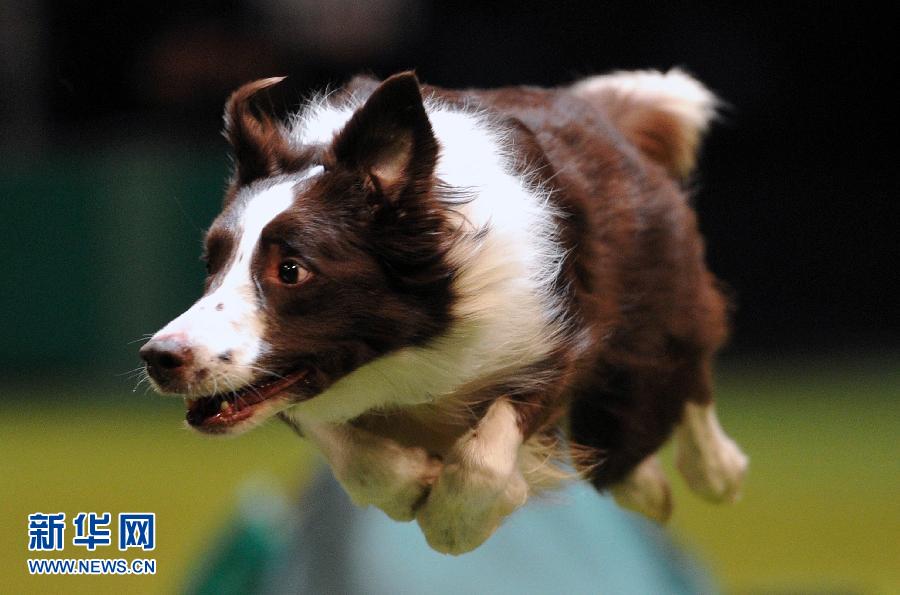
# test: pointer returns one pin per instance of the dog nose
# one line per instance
(166, 357)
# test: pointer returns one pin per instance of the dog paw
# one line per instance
(397, 483)
(646, 491)
(466, 505)
(715, 473)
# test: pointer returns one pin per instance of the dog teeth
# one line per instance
(225, 407)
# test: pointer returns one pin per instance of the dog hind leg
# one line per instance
(710, 462)
(646, 490)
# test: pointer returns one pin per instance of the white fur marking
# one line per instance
(237, 328)
(674, 91)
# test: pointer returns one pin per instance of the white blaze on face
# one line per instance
(224, 329)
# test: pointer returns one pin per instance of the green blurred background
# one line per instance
(111, 166)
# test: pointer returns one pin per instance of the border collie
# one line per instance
(459, 295)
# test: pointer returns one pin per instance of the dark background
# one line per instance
(112, 161)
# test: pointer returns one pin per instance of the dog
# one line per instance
(464, 297)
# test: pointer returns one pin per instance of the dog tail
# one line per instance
(662, 114)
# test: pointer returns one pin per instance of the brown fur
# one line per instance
(639, 284)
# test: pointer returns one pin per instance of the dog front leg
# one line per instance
(479, 486)
(374, 470)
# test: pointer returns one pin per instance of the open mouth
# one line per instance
(217, 413)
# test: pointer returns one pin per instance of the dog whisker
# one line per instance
(143, 377)
(145, 337)
(131, 371)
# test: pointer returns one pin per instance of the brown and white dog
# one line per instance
(449, 292)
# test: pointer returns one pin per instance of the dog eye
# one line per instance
(291, 273)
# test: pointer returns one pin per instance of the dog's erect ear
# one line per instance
(259, 146)
(389, 140)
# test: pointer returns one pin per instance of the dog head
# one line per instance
(324, 257)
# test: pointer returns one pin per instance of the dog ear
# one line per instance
(389, 141)
(258, 145)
